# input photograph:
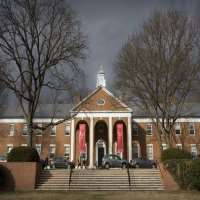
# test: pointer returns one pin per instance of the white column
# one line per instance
(91, 142)
(129, 138)
(72, 146)
(110, 135)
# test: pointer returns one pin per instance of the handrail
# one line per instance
(129, 178)
(70, 176)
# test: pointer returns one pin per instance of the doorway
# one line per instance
(100, 141)
(100, 152)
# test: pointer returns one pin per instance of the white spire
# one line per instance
(101, 81)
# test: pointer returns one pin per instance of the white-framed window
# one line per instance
(25, 130)
(136, 150)
(24, 145)
(53, 130)
(67, 129)
(179, 146)
(9, 148)
(39, 131)
(177, 128)
(150, 151)
(38, 147)
(67, 150)
(191, 128)
(135, 128)
(164, 146)
(52, 150)
(149, 129)
(194, 150)
(12, 130)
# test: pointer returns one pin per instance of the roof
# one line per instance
(43, 111)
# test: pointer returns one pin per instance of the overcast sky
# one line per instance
(108, 23)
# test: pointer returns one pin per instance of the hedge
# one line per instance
(23, 154)
(174, 153)
(186, 172)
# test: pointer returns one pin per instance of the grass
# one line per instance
(178, 195)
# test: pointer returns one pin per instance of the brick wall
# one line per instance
(20, 175)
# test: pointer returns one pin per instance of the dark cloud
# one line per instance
(108, 24)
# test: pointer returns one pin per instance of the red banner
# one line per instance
(120, 143)
(82, 132)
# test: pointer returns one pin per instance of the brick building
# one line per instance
(101, 124)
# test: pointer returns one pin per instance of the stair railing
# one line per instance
(70, 176)
(129, 178)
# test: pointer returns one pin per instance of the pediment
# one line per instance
(101, 100)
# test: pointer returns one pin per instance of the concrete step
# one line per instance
(103, 180)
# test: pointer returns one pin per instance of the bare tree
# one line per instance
(36, 39)
(156, 68)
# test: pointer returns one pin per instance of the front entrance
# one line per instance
(100, 155)
(101, 141)
(100, 152)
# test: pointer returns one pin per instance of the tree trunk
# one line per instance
(30, 132)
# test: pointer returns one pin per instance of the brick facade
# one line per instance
(100, 107)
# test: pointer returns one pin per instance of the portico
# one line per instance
(101, 134)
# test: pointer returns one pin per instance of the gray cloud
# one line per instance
(108, 24)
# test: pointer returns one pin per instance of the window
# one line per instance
(53, 130)
(194, 150)
(12, 130)
(136, 150)
(100, 101)
(135, 128)
(179, 146)
(67, 129)
(191, 128)
(67, 150)
(164, 146)
(24, 145)
(149, 129)
(52, 150)
(25, 130)
(38, 148)
(150, 151)
(178, 128)
(9, 148)
(39, 131)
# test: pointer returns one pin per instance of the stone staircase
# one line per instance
(112, 179)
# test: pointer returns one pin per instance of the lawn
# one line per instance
(100, 195)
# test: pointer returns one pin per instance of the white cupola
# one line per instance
(101, 81)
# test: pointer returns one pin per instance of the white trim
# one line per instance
(150, 145)
(52, 145)
(102, 114)
(38, 146)
(11, 132)
(194, 129)
(53, 131)
(194, 153)
(164, 146)
(36, 120)
(151, 129)
(98, 114)
(138, 149)
(24, 145)
(8, 146)
(69, 148)
(150, 120)
(179, 146)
